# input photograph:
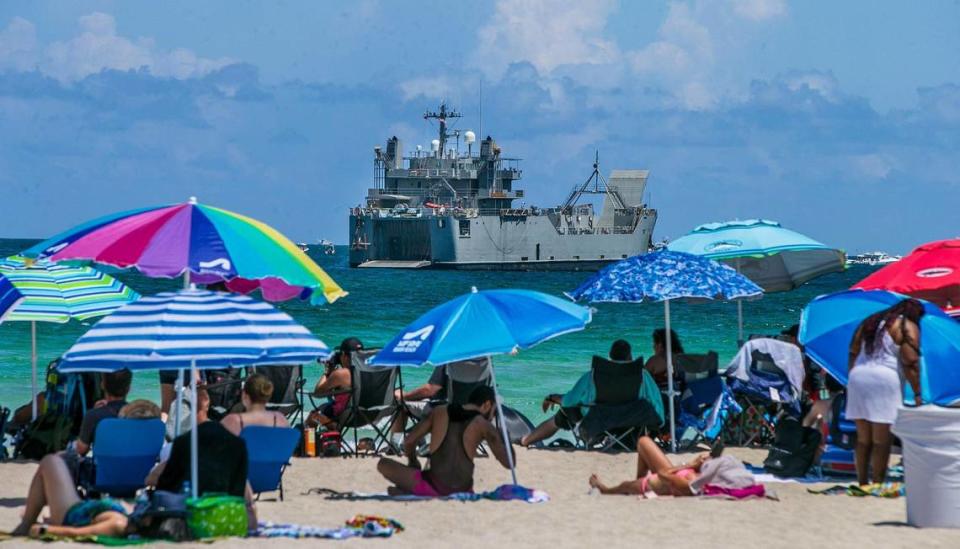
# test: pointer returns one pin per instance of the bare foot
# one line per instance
(22, 529)
(595, 483)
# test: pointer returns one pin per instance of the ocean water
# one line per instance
(381, 302)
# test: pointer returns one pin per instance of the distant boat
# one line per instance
(328, 246)
(303, 247)
(872, 258)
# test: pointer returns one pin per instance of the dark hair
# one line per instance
(660, 338)
(259, 388)
(117, 384)
(350, 344)
(481, 394)
(910, 309)
(620, 351)
(792, 331)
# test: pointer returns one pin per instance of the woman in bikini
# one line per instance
(257, 391)
(655, 474)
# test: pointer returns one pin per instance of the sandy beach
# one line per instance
(573, 517)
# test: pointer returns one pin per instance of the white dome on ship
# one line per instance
(435, 145)
(469, 137)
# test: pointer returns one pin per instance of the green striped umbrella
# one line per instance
(58, 293)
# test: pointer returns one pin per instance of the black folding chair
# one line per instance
(465, 376)
(287, 383)
(617, 416)
(372, 401)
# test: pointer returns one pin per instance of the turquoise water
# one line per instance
(381, 302)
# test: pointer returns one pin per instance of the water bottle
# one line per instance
(185, 489)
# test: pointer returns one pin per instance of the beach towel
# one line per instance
(360, 526)
(748, 492)
(506, 492)
(881, 490)
(725, 472)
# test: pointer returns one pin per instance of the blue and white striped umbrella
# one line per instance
(177, 330)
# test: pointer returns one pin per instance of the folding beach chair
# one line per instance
(764, 396)
(838, 457)
(372, 401)
(702, 399)
(269, 450)
(287, 384)
(4, 415)
(223, 387)
(617, 416)
(125, 452)
(465, 376)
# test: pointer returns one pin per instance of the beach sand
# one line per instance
(572, 517)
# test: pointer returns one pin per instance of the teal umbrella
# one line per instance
(775, 258)
(58, 293)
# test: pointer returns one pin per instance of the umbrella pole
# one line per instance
(194, 449)
(740, 323)
(178, 396)
(673, 428)
(33, 369)
(503, 426)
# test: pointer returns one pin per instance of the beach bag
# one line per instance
(67, 398)
(161, 515)
(217, 515)
(793, 449)
(50, 433)
(329, 444)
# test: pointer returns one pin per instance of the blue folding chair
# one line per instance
(268, 450)
(124, 452)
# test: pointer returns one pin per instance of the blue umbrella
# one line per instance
(828, 323)
(481, 324)
(192, 329)
(665, 276)
(10, 297)
(777, 259)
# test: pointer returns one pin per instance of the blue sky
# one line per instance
(839, 119)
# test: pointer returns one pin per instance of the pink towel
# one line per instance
(754, 491)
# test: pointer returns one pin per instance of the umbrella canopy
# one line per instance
(828, 323)
(478, 324)
(10, 297)
(664, 276)
(777, 259)
(58, 293)
(205, 243)
(931, 272)
(177, 330)
(483, 324)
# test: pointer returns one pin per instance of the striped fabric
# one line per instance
(9, 298)
(57, 293)
(172, 329)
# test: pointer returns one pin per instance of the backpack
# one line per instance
(793, 450)
(160, 515)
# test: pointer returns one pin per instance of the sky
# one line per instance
(841, 120)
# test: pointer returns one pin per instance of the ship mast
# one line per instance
(599, 186)
(441, 116)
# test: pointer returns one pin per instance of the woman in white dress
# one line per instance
(885, 345)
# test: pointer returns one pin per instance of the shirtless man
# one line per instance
(455, 434)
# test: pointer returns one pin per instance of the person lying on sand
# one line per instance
(455, 434)
(656, 474)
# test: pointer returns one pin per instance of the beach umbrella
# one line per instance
(10, 297)
(777, 259)
(828, 323)
(930, 272)
(203, 244)
(58, 293)
(665, 276)
(193, 329)
(482, 324)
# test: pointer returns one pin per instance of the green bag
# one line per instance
(214, 516)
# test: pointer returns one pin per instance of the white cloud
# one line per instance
(760, 10)
(430, 87)
(95, 48)
(875, 166)
(824, 83)
(546, 33)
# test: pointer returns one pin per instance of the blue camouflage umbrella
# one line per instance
(480, 324)
(665, 276)
(828, 323)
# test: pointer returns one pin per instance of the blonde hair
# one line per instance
(259, 388)
(140, 409)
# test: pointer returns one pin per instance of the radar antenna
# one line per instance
(595, 184)
(441, 116)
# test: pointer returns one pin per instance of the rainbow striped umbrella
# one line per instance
(202, 243)
(58, 293)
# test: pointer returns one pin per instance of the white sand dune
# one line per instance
(573, 517)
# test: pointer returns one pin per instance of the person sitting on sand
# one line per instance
(655, 474)
(455, 434)
(657, 364)
(52, 486)
(570, 413)
(336, 382)
(115, 385)
(257, 390)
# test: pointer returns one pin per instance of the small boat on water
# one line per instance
(872, 258)
(303, 247)
(328, 246)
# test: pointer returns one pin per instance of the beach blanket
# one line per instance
(506, 492)
(754, 491)
(360, 526)
(894, 473)
(882, 490)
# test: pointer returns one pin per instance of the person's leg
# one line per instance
(880, 456)
(626, 488)
(863, 450)
(52, 486)
(651, 457)
(401, 476)
(543, 431)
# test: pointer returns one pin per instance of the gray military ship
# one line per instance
(453, 209)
